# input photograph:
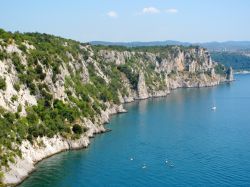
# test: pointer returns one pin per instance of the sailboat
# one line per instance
(214, 107)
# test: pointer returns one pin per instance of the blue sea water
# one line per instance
(179, 140)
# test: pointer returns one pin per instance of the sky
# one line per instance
(130, 20)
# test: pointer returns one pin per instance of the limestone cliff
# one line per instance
(56, 93)
(141, 87)
(230, 75)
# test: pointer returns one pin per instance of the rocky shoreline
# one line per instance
(46, 147)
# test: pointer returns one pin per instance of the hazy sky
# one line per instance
(130, 20)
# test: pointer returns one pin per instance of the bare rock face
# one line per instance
(115, 57)
(166, 80)
(179, 61)
(12, 48)
(192, 67)
(85, 74)
(23, 96)
(131, 94)
(230, 75)
(141, 87)
(213, 73)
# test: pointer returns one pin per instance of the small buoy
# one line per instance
(166, 161)
(131, 159)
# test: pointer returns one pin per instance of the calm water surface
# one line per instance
(202, 147)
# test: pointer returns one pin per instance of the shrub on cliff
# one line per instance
(132, 77)
(20, 68)
(1, 179)
(77, 129)
(3, 55)
(2, 84)
(220, 69)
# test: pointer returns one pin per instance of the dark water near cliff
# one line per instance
(203, 147)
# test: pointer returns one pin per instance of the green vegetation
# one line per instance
(237, 61)
(220, 69)
(2, 84)
(77, 129)
(1, 178)
(133, 77)
(149, 49)
(16, 86)
(3, 55)
(14, 98)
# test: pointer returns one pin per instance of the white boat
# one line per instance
(213, 108)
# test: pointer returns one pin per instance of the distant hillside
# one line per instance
(227, 46)
(211, 46)
(236, 60)
(230, 53)
(140, 44)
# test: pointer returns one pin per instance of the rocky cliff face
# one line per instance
(230, 75)
(159, 72)
(56, 93)
(141, 87)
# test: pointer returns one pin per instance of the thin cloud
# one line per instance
(150, 10)
(153, 10)
(172, 11)
(112, 14)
